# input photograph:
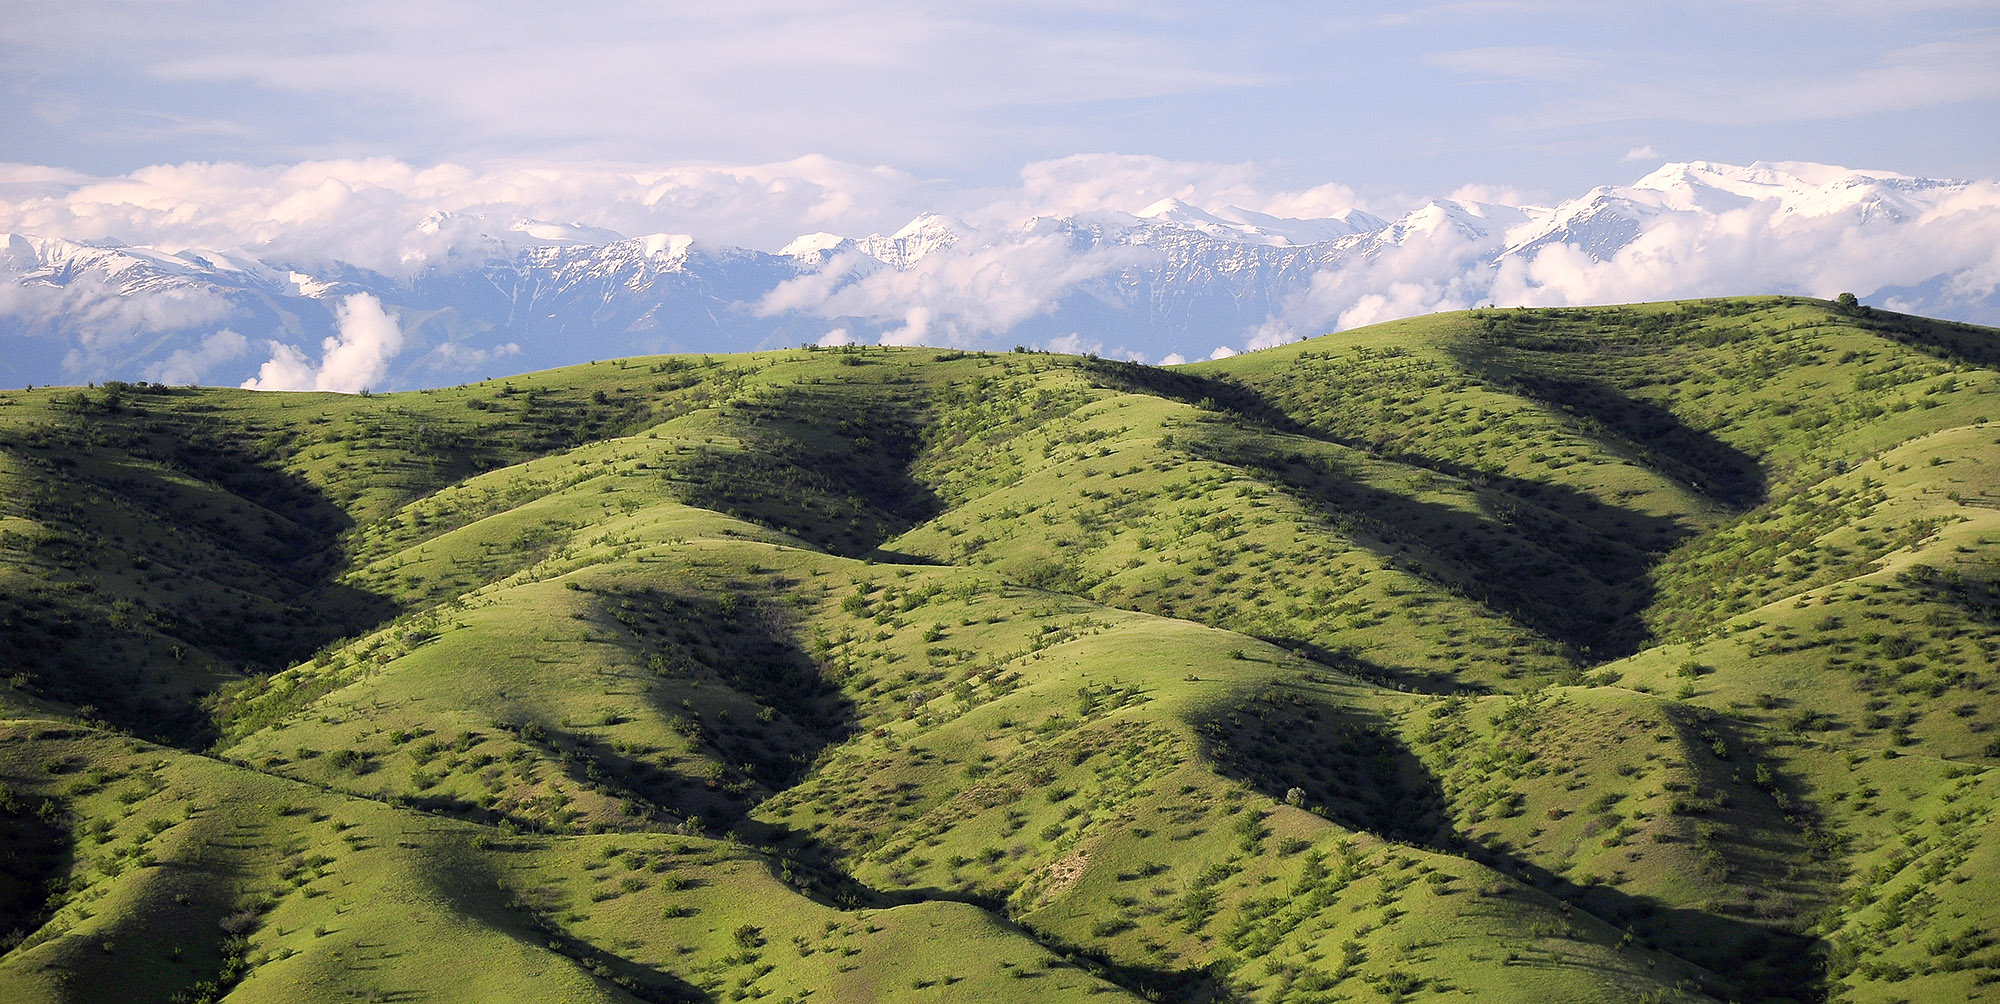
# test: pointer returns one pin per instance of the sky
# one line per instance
(915, 104)
(394, 136)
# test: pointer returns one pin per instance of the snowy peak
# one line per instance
(665, 247)
(919, 239)
(133, 270)
(1759, 179)
(1346, 223)
(1478, 222)
(1171, 210)
(1247, 226)
(307, 286)
(18, 254)
(814, 246)
(545, 232)
(1175, 278)
(1769, 197)
(1794, 188)
(477, 229)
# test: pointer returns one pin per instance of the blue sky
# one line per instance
(1391, 100)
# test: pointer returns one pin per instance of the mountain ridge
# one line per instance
(1172, 280)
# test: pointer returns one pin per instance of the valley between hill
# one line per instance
(1636, 653)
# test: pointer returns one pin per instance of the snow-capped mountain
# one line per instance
(1244, 226)
(925, 236)
(1606, 220)
(484, 294)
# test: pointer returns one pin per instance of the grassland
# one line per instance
(1643, 653)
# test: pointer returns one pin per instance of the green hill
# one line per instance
(1640, 653)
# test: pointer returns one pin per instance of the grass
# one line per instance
(1634, 653)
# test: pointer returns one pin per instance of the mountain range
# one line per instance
(1172, 282)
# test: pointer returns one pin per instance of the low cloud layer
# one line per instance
(110, 314)
(102, 323)
(193, 366)
(1763, 248)
(1827, 232)
(1124, 256)
(351, 361)
(958, 296)
(394, 217)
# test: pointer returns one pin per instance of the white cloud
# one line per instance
(1762, 247)
(393, 216)
(1074, 344)
(1773, 236)
(835, 338)
(1498, 195)
(1173, 359)
(456, 357)
(1934, 74)
(1702, 230)
(353, 360)
(953, 295)
(1126, 183)
(916, 329)
(1109, 182)
(1401, 299)
(1517, 62)
(1640, 153)
(189, 366)
(37, 175)
(1316, 203)
(1437, 265)
(103, 314)
(968, 91)
(1222, 352)
(103, 324)
(1271, 334)
(752, 80)
(1005, 269)
(287, 369)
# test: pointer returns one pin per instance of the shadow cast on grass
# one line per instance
(814, 465)
(38, 852)
(1354, 769)
(477, 888)
(1653, 435)
(1519, 555)
(218, 561)
(1557, 560)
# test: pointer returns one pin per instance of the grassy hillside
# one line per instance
(1642, 653)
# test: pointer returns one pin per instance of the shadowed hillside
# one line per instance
(1639, 653)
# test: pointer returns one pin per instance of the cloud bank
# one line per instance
(1125, 256)
(392, 216)
(955, 297)
(351, 361)
(191, 366)
(1384, 95)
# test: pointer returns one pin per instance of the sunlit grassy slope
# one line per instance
(1639, 653)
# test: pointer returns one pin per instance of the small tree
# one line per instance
(1846, 301)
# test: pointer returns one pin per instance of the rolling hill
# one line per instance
(1633, 653)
